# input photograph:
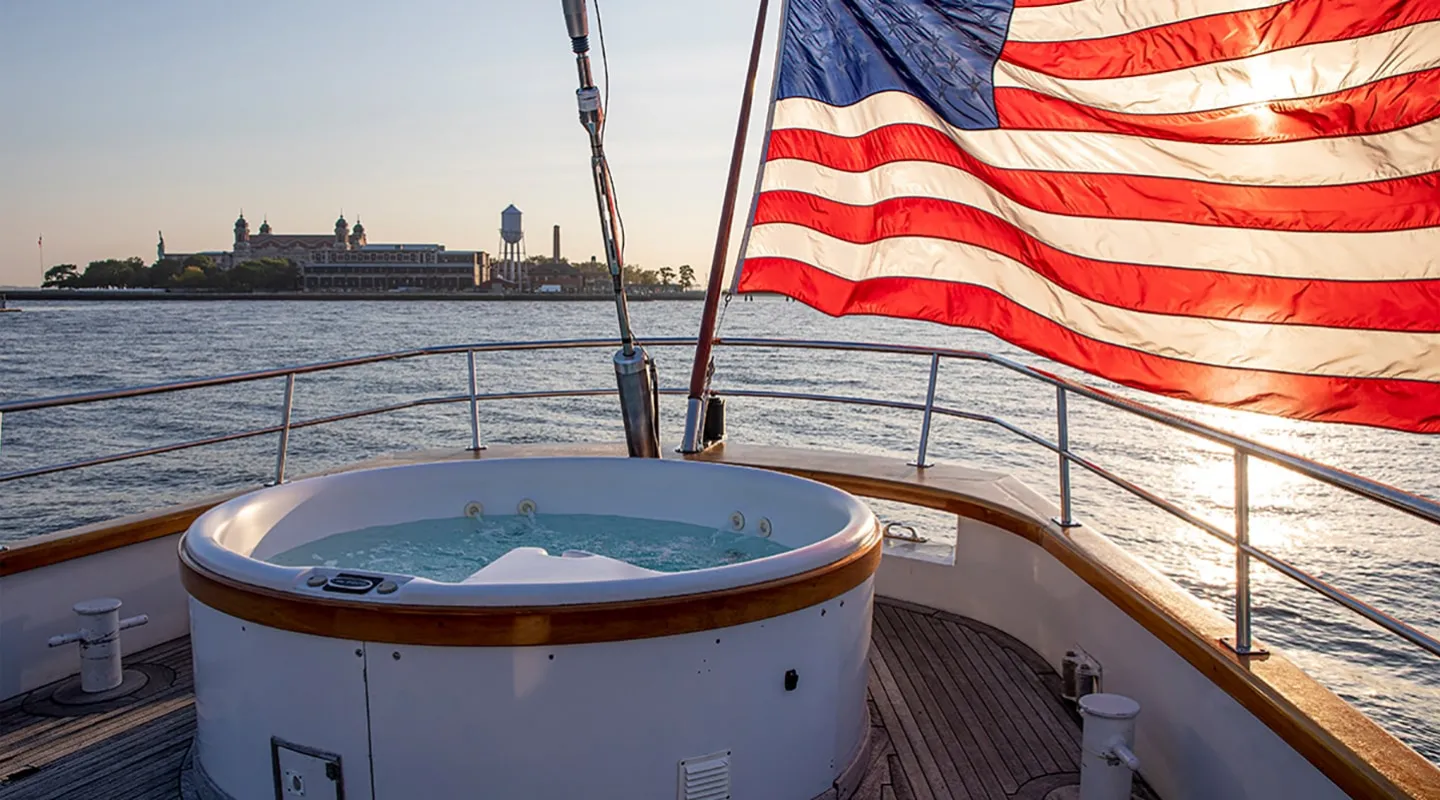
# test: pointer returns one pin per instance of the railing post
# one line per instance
(285, 429)
(3, 548)
(1062, 430)
(929, 412)
(475, 445)
(1242, 644)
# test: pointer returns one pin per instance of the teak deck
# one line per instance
(959, 711)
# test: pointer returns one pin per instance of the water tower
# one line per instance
(512, 247)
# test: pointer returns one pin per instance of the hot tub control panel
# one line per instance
(350, 583)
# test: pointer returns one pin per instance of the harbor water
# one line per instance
(1381, 556)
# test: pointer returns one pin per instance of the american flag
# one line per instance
(1230, 201)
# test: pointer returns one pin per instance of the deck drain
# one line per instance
(65, 699)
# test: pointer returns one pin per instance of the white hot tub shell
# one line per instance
(569, 678)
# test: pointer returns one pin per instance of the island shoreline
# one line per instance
(96, 295)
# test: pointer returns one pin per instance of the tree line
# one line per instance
(682, 277)
(194, 272)
(283, 275)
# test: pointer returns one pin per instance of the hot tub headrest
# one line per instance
(535, 565)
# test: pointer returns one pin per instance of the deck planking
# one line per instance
(131, 751)
(958, 710)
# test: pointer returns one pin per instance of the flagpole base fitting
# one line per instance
(1229, 642)
(1062, 524)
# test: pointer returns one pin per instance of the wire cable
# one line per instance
(605, 123)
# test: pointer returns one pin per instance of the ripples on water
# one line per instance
(1376, 554)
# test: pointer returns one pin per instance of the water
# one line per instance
(451, 550)
(1381, 556)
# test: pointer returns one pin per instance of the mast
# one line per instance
(634, 369)
(693, 441)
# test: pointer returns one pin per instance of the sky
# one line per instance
(424, 119)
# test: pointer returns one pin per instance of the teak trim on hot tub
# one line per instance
(527, 626)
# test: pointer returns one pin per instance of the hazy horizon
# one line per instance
(424, 122)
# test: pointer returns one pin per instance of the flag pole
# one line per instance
(41, 244)
(695, 408)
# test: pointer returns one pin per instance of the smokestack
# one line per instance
(557, 242)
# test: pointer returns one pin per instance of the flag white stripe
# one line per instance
(1297, 72)
(1386, 255)
(1253, 345)
(1094, 19)
(1312, 162)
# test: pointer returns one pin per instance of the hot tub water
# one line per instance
(451, 549)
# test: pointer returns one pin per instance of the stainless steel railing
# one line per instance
(1243, 449)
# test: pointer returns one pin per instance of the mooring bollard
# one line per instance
(1107, 760)
(99, 639)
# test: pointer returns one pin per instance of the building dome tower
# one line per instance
(242, 233)
(342, 233)
(357, 236)
(265, 227)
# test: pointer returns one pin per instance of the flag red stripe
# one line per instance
(1385, 105)
(1042, 3)
(1401, 203)
(1218, 37)
(1374, 305)
(1403, 405)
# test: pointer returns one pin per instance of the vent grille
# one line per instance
(705, 777)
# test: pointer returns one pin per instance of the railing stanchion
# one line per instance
(1242, 643)
(929, 412)
(1062, 430)
(475, 445)
(285, 429)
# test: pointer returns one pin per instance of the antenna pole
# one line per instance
(592, 118)
(699, 373)
(634, 369)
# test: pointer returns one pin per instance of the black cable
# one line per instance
(604, 68)
(604, 123)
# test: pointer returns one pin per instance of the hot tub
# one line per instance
(544, 674)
